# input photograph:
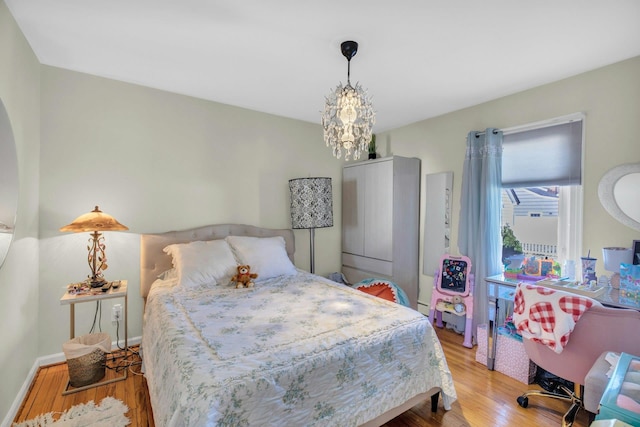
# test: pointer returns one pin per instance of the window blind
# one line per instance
(543, 156)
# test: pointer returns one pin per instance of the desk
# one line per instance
(500, 293)
(612, 298)
(72, 299)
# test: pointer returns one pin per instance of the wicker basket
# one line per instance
(87, 369)
(86, 358)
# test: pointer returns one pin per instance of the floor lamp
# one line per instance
(311, 207)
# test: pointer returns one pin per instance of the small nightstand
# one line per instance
(96, 295)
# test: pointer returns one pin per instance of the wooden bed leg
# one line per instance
(434, 402)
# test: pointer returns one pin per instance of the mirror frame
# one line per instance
(607, 197)
(9, 175)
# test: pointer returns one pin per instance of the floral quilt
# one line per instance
(291, 351)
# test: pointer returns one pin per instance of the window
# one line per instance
(542, 187)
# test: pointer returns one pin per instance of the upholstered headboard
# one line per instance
(154, 261)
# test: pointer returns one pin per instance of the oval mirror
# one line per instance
(8, 183)
(618, 192)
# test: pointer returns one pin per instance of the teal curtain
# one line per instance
(479, 231)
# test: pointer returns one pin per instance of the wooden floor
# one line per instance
(485, 398)
(45, 394)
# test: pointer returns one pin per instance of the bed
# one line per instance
(295, 349)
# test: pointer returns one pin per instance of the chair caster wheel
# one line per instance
(523, 401)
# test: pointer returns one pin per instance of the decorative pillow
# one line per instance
(202, 262)
(383, 289)
(267, 256)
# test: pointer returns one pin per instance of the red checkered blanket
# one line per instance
(546, 315)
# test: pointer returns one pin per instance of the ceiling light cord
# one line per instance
(349, 50)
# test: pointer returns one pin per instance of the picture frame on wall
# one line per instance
(636, 252)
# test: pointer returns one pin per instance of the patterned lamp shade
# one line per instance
(311, 203)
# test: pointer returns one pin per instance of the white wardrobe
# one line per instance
(381, 222)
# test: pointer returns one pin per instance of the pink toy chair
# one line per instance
(453, 293)
(599, 329)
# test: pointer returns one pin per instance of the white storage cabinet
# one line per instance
(380, 221)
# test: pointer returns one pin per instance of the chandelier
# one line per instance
(348, 116)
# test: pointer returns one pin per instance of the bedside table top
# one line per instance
(95, 294)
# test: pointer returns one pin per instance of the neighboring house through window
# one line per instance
(542, 187)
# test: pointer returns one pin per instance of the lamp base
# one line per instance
(97, 283)
(614, 281)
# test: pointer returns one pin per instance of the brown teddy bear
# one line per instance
(244, 276)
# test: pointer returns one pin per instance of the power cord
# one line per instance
(96, 317)
(125, 362)
(128, 360)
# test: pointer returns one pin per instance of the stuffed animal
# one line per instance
(244, 276)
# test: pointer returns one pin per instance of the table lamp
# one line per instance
(96, 222)
(613, 257)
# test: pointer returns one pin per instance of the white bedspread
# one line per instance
(292, 351)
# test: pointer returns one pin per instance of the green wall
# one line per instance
(20, 93)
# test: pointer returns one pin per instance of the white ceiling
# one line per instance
(417, 58)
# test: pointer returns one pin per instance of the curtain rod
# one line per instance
(540, 124)
(495, 132)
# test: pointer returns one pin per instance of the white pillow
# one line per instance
(201, 262)
(168, 275)
(267, 256)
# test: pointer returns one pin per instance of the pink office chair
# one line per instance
(599, 329)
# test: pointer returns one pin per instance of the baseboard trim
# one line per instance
(59, 357)
(15, 407)
(39, 362)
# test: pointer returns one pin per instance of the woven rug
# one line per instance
(109, 413)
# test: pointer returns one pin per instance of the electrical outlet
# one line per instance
(116, 313)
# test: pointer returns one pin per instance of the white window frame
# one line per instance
(571, 206)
